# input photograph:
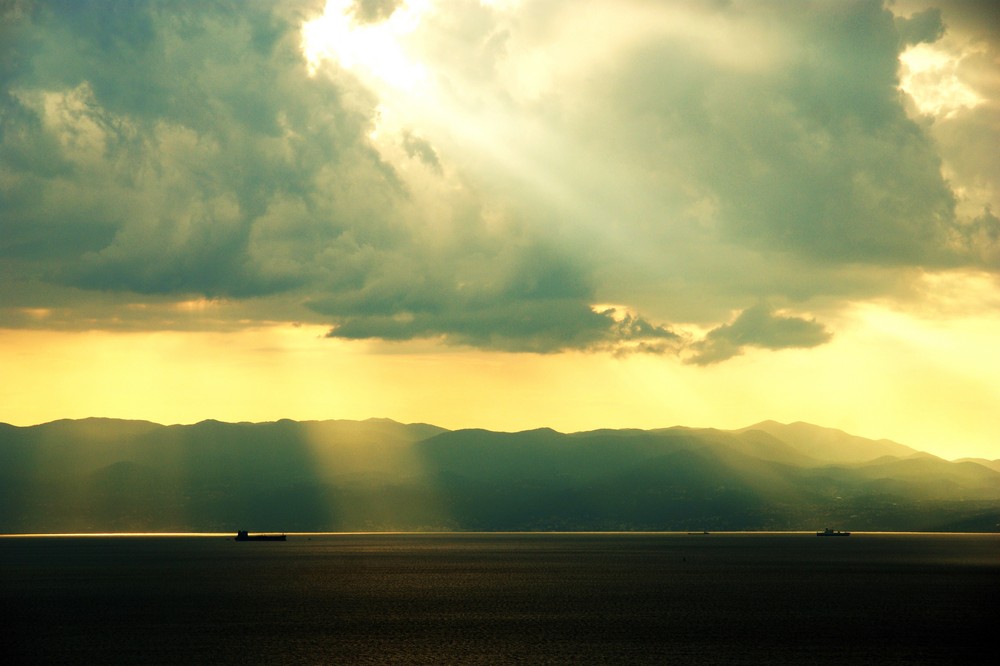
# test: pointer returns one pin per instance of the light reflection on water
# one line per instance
(488, 598)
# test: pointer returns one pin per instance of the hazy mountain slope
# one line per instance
(69, 446)
(829, 444)
(928, 477)
(991, 464)
(752, 442)
(99, 475)
(281, 446)
(544, 453)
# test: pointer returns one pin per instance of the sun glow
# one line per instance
(931, 77)
(375, 50)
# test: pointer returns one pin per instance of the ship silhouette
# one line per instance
(243, 535)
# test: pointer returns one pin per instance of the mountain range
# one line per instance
(109, 475)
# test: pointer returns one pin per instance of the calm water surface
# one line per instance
(502, 598)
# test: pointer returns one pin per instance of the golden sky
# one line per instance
(505, 214)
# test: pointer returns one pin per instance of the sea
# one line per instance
(501, 598)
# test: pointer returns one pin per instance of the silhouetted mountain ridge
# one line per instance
(378, 474)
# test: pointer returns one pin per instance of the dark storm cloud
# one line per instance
(757, 327)
(536, 302)
(921, 27)
(158, 152)
(183, 150)
(539, 326)
(161, 135)
(810, 153)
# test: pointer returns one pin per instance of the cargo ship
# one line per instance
(242, 535)
(829, 532)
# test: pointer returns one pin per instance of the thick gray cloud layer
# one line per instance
(157, 152)
(757, 327)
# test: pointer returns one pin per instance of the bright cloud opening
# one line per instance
(375, 51)
(930, 76)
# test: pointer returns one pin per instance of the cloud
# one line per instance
(921, 27)
(684, 160)
(373, 11)
(811, 155)
(530, 300)
(421, 149)
(757, 327)
(168, 136)
(982, 237)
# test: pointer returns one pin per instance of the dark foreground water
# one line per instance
(501, 598)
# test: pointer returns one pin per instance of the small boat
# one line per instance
(829, 532)
(242, 535)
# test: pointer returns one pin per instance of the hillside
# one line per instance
(112, 475)
(829, 444)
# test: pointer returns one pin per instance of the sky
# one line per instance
(507, 214)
